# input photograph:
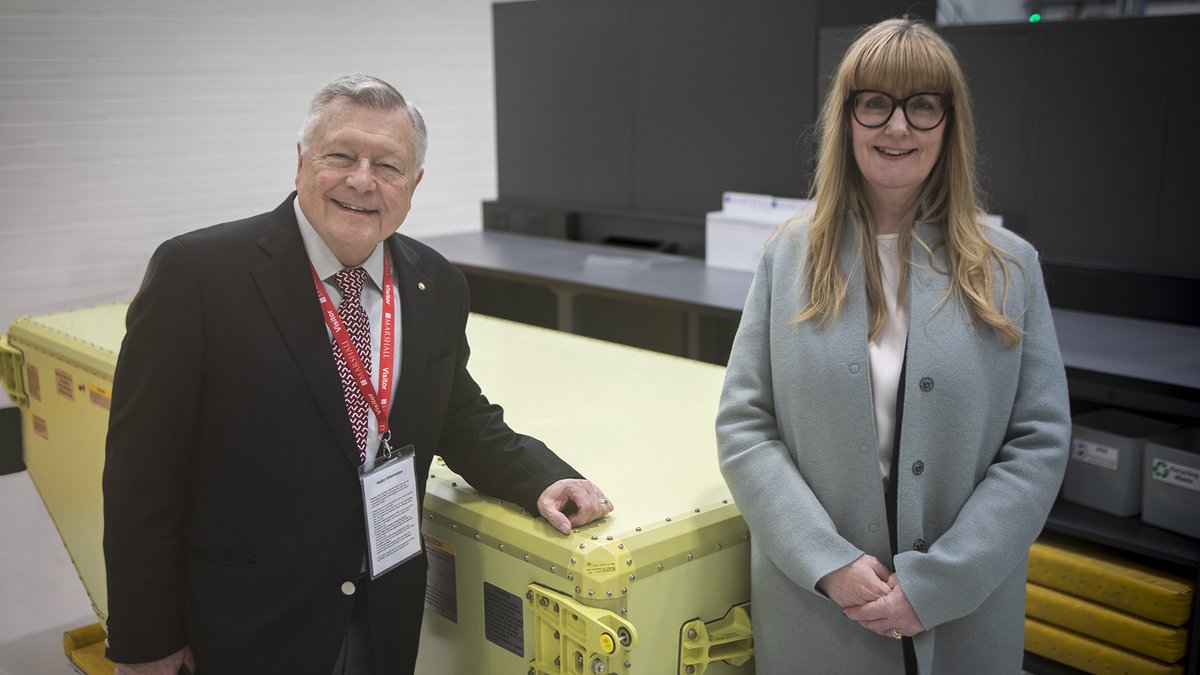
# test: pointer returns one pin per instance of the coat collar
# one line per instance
(927, 279)
(924, 272)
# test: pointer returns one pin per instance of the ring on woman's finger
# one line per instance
(603, 500)
(897, 634)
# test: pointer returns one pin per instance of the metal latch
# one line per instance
(571, 638)
(729, 639)
(12, 371)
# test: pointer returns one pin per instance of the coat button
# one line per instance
(853, 368)
(926, 383)
(919, 545)
(348, 588)
(918, 468)
(864, 449)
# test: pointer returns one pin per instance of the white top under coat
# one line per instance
(887, 351)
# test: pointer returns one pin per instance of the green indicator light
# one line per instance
(1034, 18)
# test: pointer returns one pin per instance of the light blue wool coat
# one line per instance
(796, 437)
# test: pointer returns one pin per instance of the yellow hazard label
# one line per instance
(100, 397)
(434, 542)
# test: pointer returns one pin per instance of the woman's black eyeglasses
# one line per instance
(923, 110)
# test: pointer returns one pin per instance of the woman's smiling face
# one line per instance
(895, 159)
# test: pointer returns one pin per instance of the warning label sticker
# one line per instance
(100, 397)
(33, 382)
(441, 578)
(504, 619)
(65, 383)
(40, 428)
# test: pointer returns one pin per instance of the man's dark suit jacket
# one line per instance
(232, 506)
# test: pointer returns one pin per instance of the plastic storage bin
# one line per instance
(1105, 471)
(1171, 484)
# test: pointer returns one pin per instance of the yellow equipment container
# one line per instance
(1093, 620)
(1090, 655)
(1098, 574)
(59, 369)
(659, 586)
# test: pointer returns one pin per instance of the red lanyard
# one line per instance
(377, 403)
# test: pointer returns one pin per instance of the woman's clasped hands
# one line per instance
(870, 594)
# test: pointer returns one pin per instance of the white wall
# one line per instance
(124, 122)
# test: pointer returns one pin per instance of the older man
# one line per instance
(283, 385)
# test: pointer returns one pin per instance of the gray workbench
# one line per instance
(573, 271)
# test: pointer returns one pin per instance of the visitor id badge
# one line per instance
(393, 517)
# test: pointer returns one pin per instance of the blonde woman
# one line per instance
(894, 424)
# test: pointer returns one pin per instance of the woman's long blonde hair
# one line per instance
(902, 56)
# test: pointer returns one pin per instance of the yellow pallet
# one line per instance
(1100, 575)
(1088, 655)
(85, 650)
(1165, 643)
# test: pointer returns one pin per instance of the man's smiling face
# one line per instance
(355, 177)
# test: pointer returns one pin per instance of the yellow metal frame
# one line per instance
(570, 637)
(729, 639)
(12, 372)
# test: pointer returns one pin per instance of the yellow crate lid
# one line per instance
(637, 423)
(89, 338)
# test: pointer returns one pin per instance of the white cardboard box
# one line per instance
(735, 235)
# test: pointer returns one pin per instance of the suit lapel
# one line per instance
(286, 286)
(416, 292)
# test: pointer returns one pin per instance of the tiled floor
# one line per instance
(40, 595)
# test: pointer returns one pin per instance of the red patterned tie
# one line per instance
(359, 327)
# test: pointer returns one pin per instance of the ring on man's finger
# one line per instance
(897, 634)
